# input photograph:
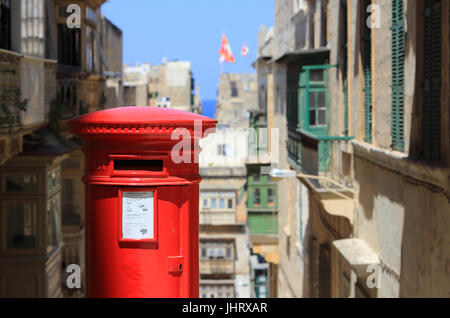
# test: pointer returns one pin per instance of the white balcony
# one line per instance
(25, 83)
(216, 267)
(30, 81)
(217, 218)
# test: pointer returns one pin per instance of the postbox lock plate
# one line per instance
(175, 264)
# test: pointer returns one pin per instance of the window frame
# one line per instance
(53, 222)
(217, 197)
(256, 199)
(15, 174)
(306, 86)
(4, 228)
(274, 201)
(32, 12)
(69, 55)
(234, 91)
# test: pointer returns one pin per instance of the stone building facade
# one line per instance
(112, 44)
(49, 74)
(363, 120)
(170, 84)
(262, 190)
(236, 96)
(223, 232)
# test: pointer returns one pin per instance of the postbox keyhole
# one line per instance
(175, 264)
(139, 165)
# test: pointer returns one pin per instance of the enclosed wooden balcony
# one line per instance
(216, 266)
(217, 218)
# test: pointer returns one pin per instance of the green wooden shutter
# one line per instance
(345, 62)
(367, 66)
(398, 74)
(302, 110)
(432, 55)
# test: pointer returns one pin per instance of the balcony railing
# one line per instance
(216, 267)
(27, 85)
(10, 84)
(73, 252)
(310, 153)
(217, 218)
(294, 148)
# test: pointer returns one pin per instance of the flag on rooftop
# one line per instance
(225, 52)
(244, 50)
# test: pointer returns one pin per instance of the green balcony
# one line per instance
(310, 153)
(263, 223)
(262, 202)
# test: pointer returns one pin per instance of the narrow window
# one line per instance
(90, 49)
(32, 28)
(21, 225)
(5, 24)
(203, 252)
(234, 90)
(311, 31)
(317, 109)
(228, 252)
(323, 25)
(53, 226)
(220, 252)
(271, 197)
(211, 251)
(256, 197)
(69, 46)
(223, 150)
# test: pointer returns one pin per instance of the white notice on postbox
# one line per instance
(137, 215)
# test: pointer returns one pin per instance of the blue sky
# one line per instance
(190, 30)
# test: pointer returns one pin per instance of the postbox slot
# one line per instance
(139, 165)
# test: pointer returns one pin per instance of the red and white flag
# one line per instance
(226, 54)
(244, 50)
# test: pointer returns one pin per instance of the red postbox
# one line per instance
(142, 192)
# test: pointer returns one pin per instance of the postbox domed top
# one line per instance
(137, 120)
